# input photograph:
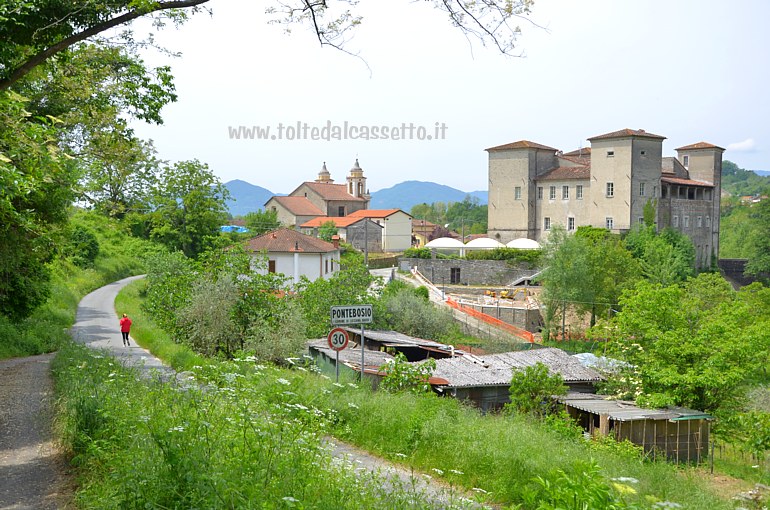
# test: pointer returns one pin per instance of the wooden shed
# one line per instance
(682, 435)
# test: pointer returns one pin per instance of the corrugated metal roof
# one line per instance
(395, 338)
(497, 369)
(351, 355)
(621, 410)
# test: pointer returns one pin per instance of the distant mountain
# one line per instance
(409, 193)
(763, 173)
(246, 197)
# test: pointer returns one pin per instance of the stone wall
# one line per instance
(496, 273)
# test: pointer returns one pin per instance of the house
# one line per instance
(322, 198)
(351, 229)
(486, 380)
(295, 254)
(397, 227)
(533, 187)
(679, 434)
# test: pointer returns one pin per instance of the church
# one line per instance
(322, 197)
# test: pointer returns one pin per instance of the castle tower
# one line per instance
(357, 182)
(324, 176)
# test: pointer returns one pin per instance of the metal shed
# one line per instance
(681, 434)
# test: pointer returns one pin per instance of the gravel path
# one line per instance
(33, 474)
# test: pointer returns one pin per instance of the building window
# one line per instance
(654, 191)
(517, 193)
(565, 192)
(641, 220)
(579, 192)
(610, 189)
(708, 221)
(570, 224)
(609, 223)
(539, 192)
(675, 221)
(699, 221)
(610, 154)
(271, 266)
(708, 194)
(686, 220)
(341, 211)
(552, 192)
(641, 189)
(546, 223)
(643, 153)
(454, 275)
(685, 161)
(326, 265)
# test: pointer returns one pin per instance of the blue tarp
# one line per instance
(233, 228)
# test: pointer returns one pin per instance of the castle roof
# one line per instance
(583, 152)
(561, 173)
(298, 206)
(699, 146)
(686, 182)
(625, 133)
(288, 240)
(521, 144)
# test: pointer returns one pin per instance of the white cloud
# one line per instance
(747, 145)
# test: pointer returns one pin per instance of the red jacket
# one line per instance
(125, 325)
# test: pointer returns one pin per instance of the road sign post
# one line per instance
(353, 314)
(337, 339)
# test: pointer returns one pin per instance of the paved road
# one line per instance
(96, 325)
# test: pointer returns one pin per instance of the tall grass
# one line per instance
(508, 458)
(237, 442)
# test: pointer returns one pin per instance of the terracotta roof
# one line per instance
(582, 161)
(329, 191)
(521, 144)
(298, 206)
(699, 145)
(376, 213)
(624, 133)
(561, 173)
(288, 240)
(339, 221)
(688, 182)
(585, 152)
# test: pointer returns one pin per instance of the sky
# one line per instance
(689, 70)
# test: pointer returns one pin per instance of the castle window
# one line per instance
(546, 223)
(708, 221)
(609, 223)
(654, 191)
(579, 192)
(675, 221)
(640, 219)
(565, 192)
(699, 221)
(686, 221)
(610, 189)
(708, 194)
(341, 211)
(570, 223)
(552, 192)
(643, 153)
(686, 161)
(641, 189)
(517, 193)
(539, 192)
(610, 154)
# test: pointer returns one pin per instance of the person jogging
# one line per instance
(125, 328)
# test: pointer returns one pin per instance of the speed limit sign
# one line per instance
(338, 339)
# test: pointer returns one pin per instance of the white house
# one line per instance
(397, 227)
(295, 254)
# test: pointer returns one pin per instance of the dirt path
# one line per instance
(33, 474)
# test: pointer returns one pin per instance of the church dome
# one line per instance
(324, 175)
(356, 171)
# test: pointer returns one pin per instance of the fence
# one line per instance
(518, 332)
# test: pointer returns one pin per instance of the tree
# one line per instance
(260, 222)
(759, 241)
(327, 230)
(694, 344)
(665, 258)
(532, 390)
(401, 375)
(36, 190)
(188, 207)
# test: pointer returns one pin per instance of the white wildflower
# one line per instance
(283, 381)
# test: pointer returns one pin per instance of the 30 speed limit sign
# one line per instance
(338, 339)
